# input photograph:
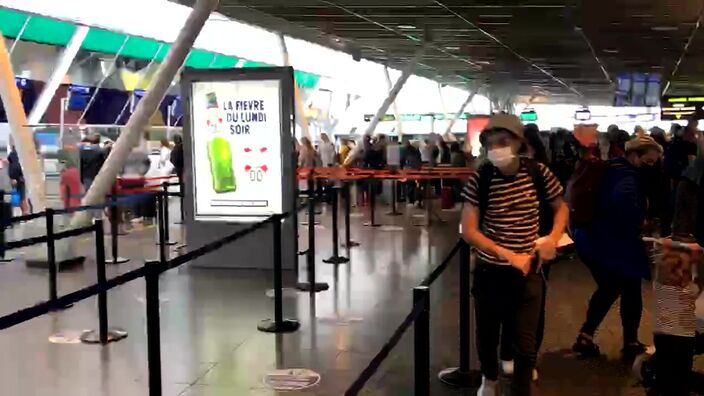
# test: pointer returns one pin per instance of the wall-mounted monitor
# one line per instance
(78, 97)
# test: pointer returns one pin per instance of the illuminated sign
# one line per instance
(236, 134)
(682, 107)
(529, 116)
(21, 82)
(583, 115)
(416, 117)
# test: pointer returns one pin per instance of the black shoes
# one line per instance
(585, 347)
(631, 350)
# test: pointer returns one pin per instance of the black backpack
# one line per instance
(545, 212)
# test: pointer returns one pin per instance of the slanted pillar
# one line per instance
(298, 98)
(399, 123)
(393, 92)
(139, 120)
(448, 132)
(57, 76)
(22, 136)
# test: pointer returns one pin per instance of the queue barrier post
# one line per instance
(394, 198)
(335, 258)
(5, 214)
(160, 227)
(463, 376)
(104, 335)
(371, 192)
(153, 327)
(51, 254)
(114, 231)
(349, 243)
(279, 324)
(164, 218)
(311, 286)
(421, 341)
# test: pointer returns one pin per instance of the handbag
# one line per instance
(15, 198)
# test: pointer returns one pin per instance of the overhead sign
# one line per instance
(416, 117)
(681, 107)
(236, 132)
(583, 115)
(529, 116)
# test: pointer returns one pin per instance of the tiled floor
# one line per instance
(210, 345)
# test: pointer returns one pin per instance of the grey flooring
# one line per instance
(210, 344)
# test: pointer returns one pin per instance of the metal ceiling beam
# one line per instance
(684, 51)
(511, 50)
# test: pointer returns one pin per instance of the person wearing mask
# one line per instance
(612, 248)
(14, 171)
(501, 220)
(92, 158)
(326, 148)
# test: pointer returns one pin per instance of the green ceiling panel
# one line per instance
(39, 29)
(54, 32)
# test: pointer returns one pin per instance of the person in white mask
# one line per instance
(513, 217)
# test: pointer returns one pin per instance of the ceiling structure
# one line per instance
(569, 51)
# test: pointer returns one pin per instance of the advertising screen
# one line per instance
(237, 166)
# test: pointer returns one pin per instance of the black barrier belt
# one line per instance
(43, 308)
(441, 268)
(22, 218)
(383, 353)
(43, 239)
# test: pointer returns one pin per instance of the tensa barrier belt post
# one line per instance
(463, 376)
(394, 198)
(349, 243)
(311, 286)
(371, 193)
(279, 324)
(421, 341)
(165, 214)
(335, 258)
(153, 327)
(104, 335)
(114, 231)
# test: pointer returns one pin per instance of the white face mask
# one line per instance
(501, 157)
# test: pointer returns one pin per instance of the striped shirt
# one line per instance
(512, 211)
(674, 310)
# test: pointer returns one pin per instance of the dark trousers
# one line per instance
(507, 301)
(610, 286)
(673, 364)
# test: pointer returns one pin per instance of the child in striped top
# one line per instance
(674, 295)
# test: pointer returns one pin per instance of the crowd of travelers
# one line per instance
(607, 191)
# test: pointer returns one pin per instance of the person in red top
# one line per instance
(70, 184)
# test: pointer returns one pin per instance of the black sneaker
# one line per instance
(631, 350)
(585, 347)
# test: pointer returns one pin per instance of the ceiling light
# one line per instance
(482, 62)
(496, 16)
(611, 50)
(493, 23)
(406, 27)
(664, 28)
(452, 48)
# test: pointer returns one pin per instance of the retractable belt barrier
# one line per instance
(419, 318)
(427, 173)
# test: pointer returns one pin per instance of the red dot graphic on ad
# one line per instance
(265, 168)
(262, 150)
(247, 149)
(247, 168)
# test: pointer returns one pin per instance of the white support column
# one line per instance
(22, 136)
(448, 132)
(20, 33)
(399, 123)
(442, 106)
(57, 76)
(393, 93)
(298, 98)
(139, 120)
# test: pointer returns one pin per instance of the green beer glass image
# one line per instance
(219, 151)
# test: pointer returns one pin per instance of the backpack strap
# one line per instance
(538, 180)
(486, 174)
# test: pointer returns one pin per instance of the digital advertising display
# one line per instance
(236, 150)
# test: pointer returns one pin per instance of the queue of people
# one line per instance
(617, 188)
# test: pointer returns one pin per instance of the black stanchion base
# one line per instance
(181, 246)
(317, 287)
(117, 260)
(93, 336)
(370, 224)
(350, 245)
(336, 260)
(456, 378)
(394, 214)
(302, 252)
(6, 260)
(60, 266)
(168, 243)
(315, 223)
(285, 326)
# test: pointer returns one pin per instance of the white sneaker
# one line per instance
(488, 388)
(507, 369)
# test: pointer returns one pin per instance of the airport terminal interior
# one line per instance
(348, 197)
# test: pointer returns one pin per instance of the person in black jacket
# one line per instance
(14, 171)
